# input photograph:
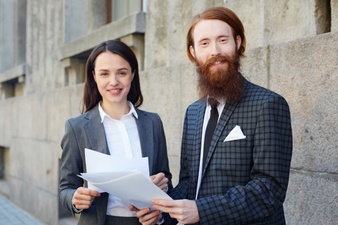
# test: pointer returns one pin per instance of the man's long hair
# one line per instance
(218, 13)
(223, 83)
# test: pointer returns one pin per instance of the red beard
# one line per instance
(221, 83)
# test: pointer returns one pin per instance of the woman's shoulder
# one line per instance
(151, 115)
(83, 118)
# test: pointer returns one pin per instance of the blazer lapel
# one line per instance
(226, 114)
(145, 128)
(95, 131)
(197, 142)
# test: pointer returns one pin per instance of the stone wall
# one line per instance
(291, 49)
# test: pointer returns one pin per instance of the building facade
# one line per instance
(292, 48)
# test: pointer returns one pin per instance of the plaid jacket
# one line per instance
(245, 181)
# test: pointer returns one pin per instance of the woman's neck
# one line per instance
(116, 111)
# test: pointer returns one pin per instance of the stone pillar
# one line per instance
(334, 15)
(156, 38)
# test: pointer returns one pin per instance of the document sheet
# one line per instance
(125, 178)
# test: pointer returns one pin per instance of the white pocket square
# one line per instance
(235, 134)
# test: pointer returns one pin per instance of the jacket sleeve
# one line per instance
(71, 166)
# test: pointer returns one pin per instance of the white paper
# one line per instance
(132, 187)
(100, 162)
(123, 177)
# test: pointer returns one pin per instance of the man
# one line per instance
(244, 176)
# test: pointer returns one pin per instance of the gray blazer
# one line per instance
(87, 131)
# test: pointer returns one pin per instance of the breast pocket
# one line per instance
(233, 158)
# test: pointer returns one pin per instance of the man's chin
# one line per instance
(220, 66)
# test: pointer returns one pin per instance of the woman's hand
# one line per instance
(146, 216)
(160, 181)
(83, 198)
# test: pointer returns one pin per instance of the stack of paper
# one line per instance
(125, 178)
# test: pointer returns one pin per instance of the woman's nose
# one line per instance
(113, 80)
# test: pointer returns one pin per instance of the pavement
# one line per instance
(10, 214)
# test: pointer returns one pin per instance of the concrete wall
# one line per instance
(292, 49)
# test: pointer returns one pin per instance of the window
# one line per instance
(12, 82)
(12, 48)
(77, 46)
(117, 9)
(3, 161)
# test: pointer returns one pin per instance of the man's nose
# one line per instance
(215, 49)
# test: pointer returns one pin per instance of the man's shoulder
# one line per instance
(258, 92)
(196, 105)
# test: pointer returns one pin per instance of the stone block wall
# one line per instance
(291, 49)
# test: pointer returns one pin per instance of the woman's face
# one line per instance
(113, 77)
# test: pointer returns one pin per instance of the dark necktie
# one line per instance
(210, 129)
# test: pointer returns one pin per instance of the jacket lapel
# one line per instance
(197, 142)
(226, 114)
(95, 131)
(145, 128)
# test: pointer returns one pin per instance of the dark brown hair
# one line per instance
(91, 94)
(218, 13)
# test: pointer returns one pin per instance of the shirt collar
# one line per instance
(132, 111)
(220, 101)
(219, 107)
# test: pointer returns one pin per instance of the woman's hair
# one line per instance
(91, 94)
(218, 13)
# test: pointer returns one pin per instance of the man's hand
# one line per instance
(160, 181)
(184, 211)
(83, 198)
(146, 216)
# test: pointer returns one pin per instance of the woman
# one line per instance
(110, 123)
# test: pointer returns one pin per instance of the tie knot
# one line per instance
(213, 102)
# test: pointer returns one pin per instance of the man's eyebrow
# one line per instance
(203, 39)
(223, 36)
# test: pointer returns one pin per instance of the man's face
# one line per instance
(217, 60)
(213, 38)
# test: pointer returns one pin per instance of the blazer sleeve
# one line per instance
(71, 166)
(183, 186)
(264, 194)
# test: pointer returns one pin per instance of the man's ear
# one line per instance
(192, 51)
(238, 41)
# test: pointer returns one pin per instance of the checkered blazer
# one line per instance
(244, 181)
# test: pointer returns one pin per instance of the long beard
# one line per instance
(223, 82)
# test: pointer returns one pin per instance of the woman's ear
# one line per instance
(93, 73)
